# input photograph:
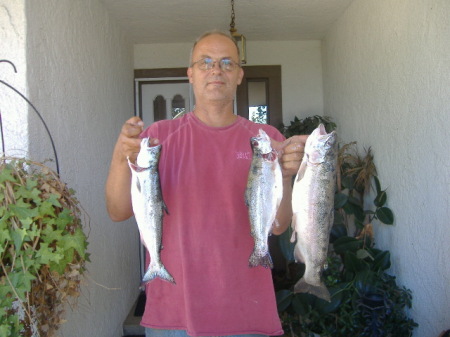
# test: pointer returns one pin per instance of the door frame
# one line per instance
(271, 74)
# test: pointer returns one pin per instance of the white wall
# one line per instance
(13, 109)
(386, 84)
(79, 73)
(301, 69)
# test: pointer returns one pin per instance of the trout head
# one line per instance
(321, 146)
(148, 155)
(262, 147)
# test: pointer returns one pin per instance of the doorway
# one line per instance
(165, 93)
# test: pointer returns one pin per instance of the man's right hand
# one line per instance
(129, 142)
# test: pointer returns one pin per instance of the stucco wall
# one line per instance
(301, 69)
(80, 76)
(13, 109)
(386, 84)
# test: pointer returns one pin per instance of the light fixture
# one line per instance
(239, 38)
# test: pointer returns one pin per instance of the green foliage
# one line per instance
(365, 299)
(42, 248)
(307, 125)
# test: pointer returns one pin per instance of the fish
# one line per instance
(263, 195)
(149, 207)
(313, 209)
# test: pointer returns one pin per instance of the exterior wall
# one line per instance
(386, 77)
(13, 109)
(300, 66)
(76, 66)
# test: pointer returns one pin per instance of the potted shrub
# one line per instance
(365, 299)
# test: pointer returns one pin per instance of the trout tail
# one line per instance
(319, 290)
(159, 271)
(260, 260)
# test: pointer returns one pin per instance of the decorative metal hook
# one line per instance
(12, 64)
(34, 108)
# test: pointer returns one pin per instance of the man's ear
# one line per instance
(241, 76)
(189, 74)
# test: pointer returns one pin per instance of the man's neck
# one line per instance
(216, 116)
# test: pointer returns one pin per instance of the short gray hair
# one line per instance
(215, 32)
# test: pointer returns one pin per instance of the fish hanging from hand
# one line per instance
(313, 209)
(149, 207)
(263, 196)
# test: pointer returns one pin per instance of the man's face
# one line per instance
(215, 84)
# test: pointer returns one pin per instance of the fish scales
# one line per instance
(149, 207)
(313, 209)
(263, 196)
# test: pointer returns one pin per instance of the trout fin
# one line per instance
(157, 272)
(302, 168)
(165, 209)
(260, 260)
(320, 290)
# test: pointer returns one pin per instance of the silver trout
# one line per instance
(148, 207)
(313, 209)
(263, 196)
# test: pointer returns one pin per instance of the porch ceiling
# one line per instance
(166, 21)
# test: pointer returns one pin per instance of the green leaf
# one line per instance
(338, 218)
(347, 243)
(377, 184)
(336, 300)
(29, 193)
(23, 210)
(62, 264)
(340, 199)
(353, 263)
(302, 303)
(366, 281)
(380, 199)
(45, 255)
(64, 218)
(355, 209)
(284, 299)
(5, 330)
(46, 208)
(363, 253)
(385, 215)
(348, 182)
(49, 235)
(76, 241)
(31, 183)
(54, 200)
(18, 236)
(337, 231)
(26, 279)
(382, 261)
(4, 236)
(6, 175)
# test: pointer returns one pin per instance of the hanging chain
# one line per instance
(232, 15)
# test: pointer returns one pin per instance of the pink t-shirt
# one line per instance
(206, 236)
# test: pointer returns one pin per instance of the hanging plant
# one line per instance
(42, 248)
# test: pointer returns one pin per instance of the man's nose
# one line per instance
(216, 66)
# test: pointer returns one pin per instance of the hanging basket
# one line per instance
(42, 248)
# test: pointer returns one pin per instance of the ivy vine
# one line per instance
(43, 248)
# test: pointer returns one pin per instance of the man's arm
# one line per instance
(118, 183)
(292, 150)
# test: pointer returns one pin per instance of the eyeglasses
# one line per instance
(208, 63)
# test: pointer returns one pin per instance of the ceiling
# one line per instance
(167, 21)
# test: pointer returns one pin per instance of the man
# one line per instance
(204, 165)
